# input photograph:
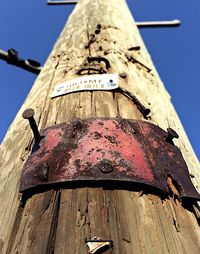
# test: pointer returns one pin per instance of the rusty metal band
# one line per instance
(106, 149)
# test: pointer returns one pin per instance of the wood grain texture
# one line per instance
(59, 221)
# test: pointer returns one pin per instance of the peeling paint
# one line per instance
(105, 149)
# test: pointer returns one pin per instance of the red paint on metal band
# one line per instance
(103, 149)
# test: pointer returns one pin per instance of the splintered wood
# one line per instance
(59, 221)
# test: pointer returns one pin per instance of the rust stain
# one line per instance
(172, 186)
(112, 144)
(104, 149)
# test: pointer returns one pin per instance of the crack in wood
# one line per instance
(54, 224)
(15, 229)
(176, 225)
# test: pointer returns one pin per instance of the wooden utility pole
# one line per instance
(59, 220)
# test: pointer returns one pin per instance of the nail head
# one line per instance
(28, 113)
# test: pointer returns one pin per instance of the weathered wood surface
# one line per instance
(59, 221)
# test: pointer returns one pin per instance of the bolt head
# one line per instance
(28, 113)
(106, 167)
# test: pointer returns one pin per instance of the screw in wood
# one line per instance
(28, 114)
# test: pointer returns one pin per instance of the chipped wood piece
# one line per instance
(97, 244)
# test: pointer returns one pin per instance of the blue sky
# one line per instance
(31, 27)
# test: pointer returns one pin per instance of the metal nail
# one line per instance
(28, 114)
(145, 111)
(171, 134)
(134, 48)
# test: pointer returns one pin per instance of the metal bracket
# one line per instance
(50, 2)
(167, 23)
(107, 149)
(140, 24)
(12, 57)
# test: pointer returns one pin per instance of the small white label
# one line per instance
(87, 83)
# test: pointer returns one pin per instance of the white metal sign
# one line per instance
(87, 83)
